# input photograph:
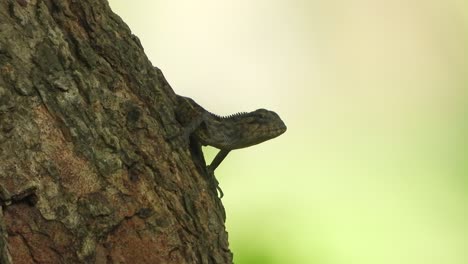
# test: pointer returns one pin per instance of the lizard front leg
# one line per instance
(214, 164)
(217, 160)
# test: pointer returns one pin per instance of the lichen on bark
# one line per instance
(85, 121)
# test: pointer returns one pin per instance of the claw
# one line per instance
(221, 194)
(210, 172)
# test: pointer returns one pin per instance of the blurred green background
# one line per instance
(373, 167)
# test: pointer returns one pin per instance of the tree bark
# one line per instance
(85, 122)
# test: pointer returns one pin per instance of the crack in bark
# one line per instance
(29, 247)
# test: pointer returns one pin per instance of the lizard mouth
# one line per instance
(276, 132)
(281, 129)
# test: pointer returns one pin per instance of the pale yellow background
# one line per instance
(372, 169)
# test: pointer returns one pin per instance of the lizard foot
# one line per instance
(221, 194)
(215, 181)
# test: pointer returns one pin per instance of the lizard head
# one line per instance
(258, 126)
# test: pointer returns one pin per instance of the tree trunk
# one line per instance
(85, 148)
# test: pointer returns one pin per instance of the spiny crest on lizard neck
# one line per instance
(231, 116)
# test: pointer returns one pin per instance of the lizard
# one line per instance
(226, 133)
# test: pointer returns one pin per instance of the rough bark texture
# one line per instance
(84, 123)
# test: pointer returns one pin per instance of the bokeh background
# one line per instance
(373, 168)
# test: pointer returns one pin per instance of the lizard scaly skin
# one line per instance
(226, 133)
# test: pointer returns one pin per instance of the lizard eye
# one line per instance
(263, 115)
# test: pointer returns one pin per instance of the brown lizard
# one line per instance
(226, 133)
